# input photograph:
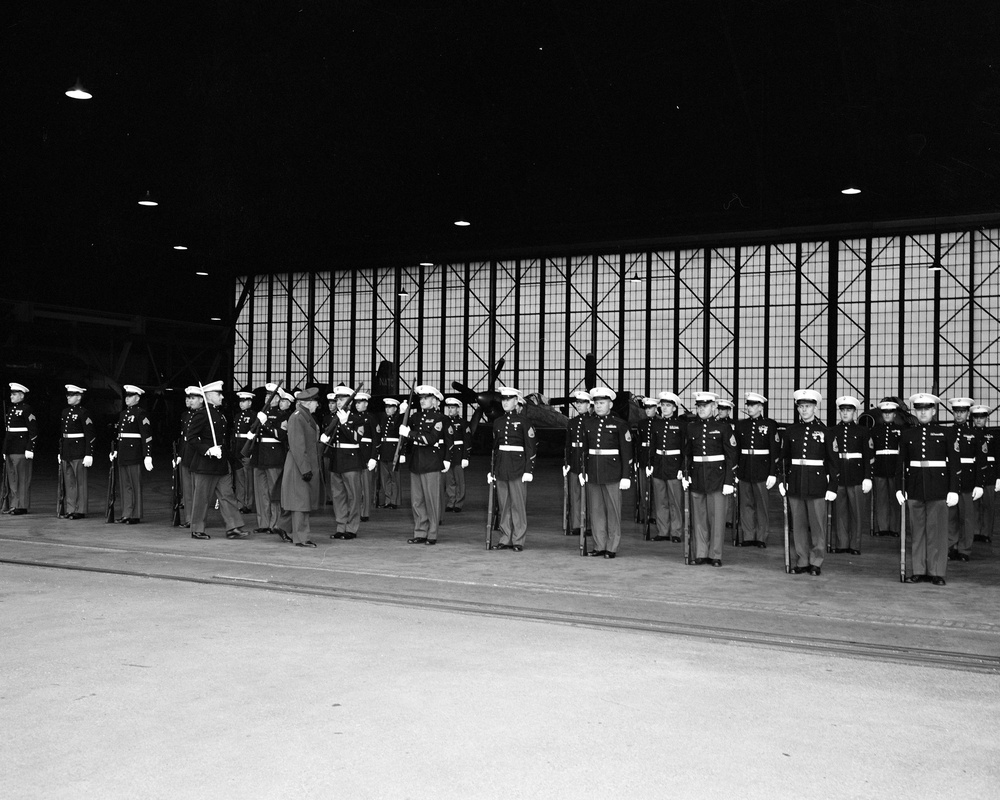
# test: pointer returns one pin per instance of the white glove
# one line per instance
(112, 454)
(270, 386)
(29, 454)
(402, 459)
(782, 489)
(977, 492)
(177, 461)
(372, 463)
(997, 487)
(649, 472)
(769, 483)
(343, 415)
(680, 475)
(404, 431)
(685, 482)
(831, 496)
(489, 478)
(323, 438)
(214, 452)
(728, 490)
(147, 462)
(59, 459)
(465, 463)
(447, 466)
(566, 472)
(583, 478)
(262, 417)
(624, 484)
(866, 485)
(88, 461)
(527, 477)
(951, 500)
(403, 406)
(249, 435)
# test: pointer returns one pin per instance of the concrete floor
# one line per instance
(124, 686)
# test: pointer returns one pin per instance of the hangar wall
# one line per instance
(866, 316)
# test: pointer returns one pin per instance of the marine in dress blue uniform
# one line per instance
(268, 461)
(131, 449)
(710, 456)
(368, 453)
(666, 468)
(574, 458)
(19, 448)
(928, 477)
(428, 445)
(344, 448)
(76, 452)
(192, 400)
(809, 469)
(885, 444)
(513, 468)
(724, 411)
(242, 471)
(387, 443)
(642, 447)
(851, 513)
(454, 479)
(963, 517)
(607, 445)
(759, 442)
(986, 513)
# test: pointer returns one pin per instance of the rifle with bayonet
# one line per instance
(335, 422)
(406, 423)
(252, 440)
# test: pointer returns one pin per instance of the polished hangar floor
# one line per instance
(141, 663)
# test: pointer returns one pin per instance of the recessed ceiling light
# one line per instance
(462, 223)
(179, 247)
(851, 190)
(77, 92)
(147, 200)
(427, 263)
(201, 273)
(216, 319)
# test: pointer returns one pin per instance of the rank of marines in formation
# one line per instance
(693, 474)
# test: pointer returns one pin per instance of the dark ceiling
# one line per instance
(332, 133)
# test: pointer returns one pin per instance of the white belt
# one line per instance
(968, 461)
(928, 463)
(756, 452)
(990, 458)
(72, 436)
(269, 441)
(603, 452)
(345, 445)
(887, 452)
(710, 458)
(129, 435)
(850, 455)
(668, 452)
(365, 440)
(511, 448)
(390, 439)
(577, 444)
(17, 430)
(808, 462)
(458, 441)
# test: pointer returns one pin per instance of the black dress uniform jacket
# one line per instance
(759, 442)
(77, 433)
(991, 448)
(241, 426)
(972, 457)
(460, 440)
(710, 455)
(429, 441)
(272, 440)
(853, 446)
(575, 453)
(199, 440)
(885, 444)
(389, 438)
(134, 435)
(643, 441)
(345, 448)
(808, 459)
(929, 461)
(666, 446)
(513, 447)
(608, 445)
(22, 430)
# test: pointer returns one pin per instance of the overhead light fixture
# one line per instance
(202, 274)
(635, 278)
(147, 200)
(179, 247)
(403, 292)
(935, 266)
(216, 319)
(78, 92)
(851, 189)
(427, 263)
(462, 223)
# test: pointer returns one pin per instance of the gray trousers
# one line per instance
(367, 491)
(390, 484)
(187, 493)
(512, 496)
(887, 508)
(19, 480)
(220, 487)
(961, 525)
(267, 495)
(851, 516)
(243, 485)
(345, 490)
(928, 532)
(986, 515)
(755, 512)
(74, 478)
(668, 507)
(708, 522)
(454, 483)
(576, 495)
(301, 526)
(130, 490)
(425, 500)
(604, 506)
(808, 530)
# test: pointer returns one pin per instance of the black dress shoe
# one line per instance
(416, 540)
(661, 538)
(262, 530)
(937, 581)
(501, 547)
(185, 524)
(716, 562)
(305, 544)
(675, 539)
(338, 535)
(364, 519)
(457, 510)
(952, 555)
(596, 553)
(799, 570)
(199, 535)
(913, 579)
(19, 511)
(350, 536)
(573, 532)
(854, 552)
(435, 541)
(839, 550)
(815, 570)
(392, 505)
(609, 554)
(517, 548)
(131, 521)
(449, 509)
(700, 561)
(77, 515)
(244, 510)
(236, 533)
(284, 536)
(962, 557)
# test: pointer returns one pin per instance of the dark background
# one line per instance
(321, 134)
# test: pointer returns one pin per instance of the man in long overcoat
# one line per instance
(302, 479)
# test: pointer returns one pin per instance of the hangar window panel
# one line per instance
(690, 318)
(383, 289)
(814, 334)
(852, 288)
(606, 304)
(479, 325)
(884, 326)
(506, 318)
(918, 345)
(340, 343)
(784, 334)
(753, 336)
(580, 321)
(430, 331)
(661, 302)
(454, 344)
(529, 349)
(364, 302)
(986, 317)
(321, 326)
(633, 335)
(954, 329)
(242, 361)
(722, 303)
(279, 327)
(409, 323)
(558, 380)
(262, 320)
